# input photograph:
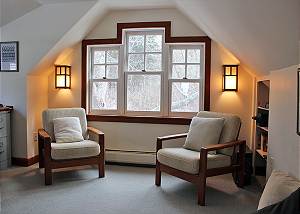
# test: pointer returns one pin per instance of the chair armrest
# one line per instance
(100, 138)
(171, 137)
(168, 137)
(204, 151)
(223, 145)
(44, 142)
(95, 131)
(44, 135)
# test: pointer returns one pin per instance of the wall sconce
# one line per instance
(62, 76)
(230, 78)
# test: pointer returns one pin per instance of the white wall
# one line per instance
(181, 25)
(37, 101)
(37, 32)
(58, 98)
(142, 136)
(284, 143)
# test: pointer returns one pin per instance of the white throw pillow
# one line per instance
(67, 130)
(203, 132)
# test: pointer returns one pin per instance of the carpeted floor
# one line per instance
(126, 190)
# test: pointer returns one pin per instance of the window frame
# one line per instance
(169, 39)
(145, 32)
(201, 80)
(91, 51)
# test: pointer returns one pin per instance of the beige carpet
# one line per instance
(126, 190)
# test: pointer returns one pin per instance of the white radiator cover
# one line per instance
(130, 157)
(136, 142)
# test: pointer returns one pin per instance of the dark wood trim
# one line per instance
(83, 75)
(140, 119)
(116, 163)
(207, 75)
(298, 100)
(25, 161)
(168, 39)
(6, 108)
(56, 164)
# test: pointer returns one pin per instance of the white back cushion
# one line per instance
(230, 130)
(67, 130)
(50, 114)
(203, 132)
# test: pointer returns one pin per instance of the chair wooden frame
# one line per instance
(200, 178)
(45, 160)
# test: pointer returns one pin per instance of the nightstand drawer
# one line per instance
(4, 149)
(4, 124)
(2, 120)
(3, 131)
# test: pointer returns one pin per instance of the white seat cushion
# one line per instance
(86, 148)
(188, 160)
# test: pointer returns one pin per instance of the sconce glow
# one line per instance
(230, 78)
(62, 76)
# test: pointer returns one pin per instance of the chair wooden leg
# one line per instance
(241, 169)
(241, 177)
(48, 175)
(157, 174)
(201, 190)
(101, 169)
(41, 153)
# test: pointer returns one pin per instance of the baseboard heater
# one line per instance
(130, 156)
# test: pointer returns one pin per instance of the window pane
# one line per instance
(153, 62)
(99, 57)
(99, 71)
(153, 43)
(178, 56)
(112, 57)
(136, 44)
(104, 95)
(193, 71)
(112, 71)
(193, 55)
(185, 97)
(143, 93)
(135, 62)
(178, 71)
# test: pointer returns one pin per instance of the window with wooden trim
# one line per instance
(144, 76)
(186, 78)
(104, 79)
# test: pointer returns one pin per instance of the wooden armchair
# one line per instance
(61, 155)
(194, 166)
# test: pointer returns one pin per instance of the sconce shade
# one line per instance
(230, 78)
(63, 76)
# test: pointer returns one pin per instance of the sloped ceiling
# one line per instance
(10, 10)
(263, 34)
